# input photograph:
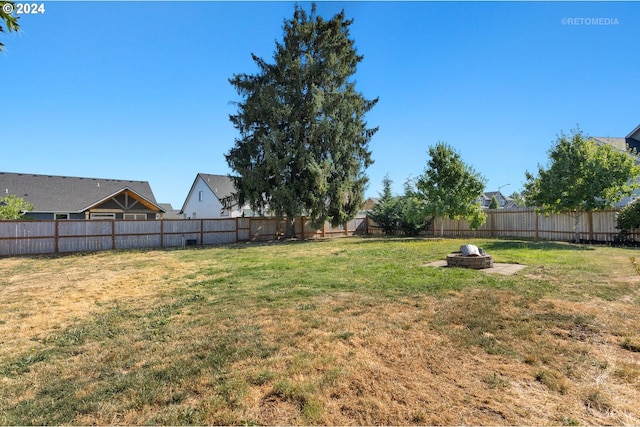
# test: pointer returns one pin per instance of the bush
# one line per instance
(387, 215)
(412, 218)
(494, 203)
(629, 217)
(401, 213)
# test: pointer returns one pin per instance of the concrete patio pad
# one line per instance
(498, 267)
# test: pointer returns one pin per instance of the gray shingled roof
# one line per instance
(49, 193)
(619, 143)
(221, 185)
(635, 134)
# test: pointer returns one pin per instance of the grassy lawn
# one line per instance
(343, 331)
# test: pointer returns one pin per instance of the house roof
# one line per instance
(170, 212)
(50, 193)
(221, 186)
(635, 134)
(489, 194)
(619, 143)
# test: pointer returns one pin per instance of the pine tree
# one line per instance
(303, 145)
(10, 20)
(494, 203)
(386, 213)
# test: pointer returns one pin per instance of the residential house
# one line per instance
(370, 203)
(211, 196)
(504, 202)
(64, 197)
(170, 212)
(632, 142)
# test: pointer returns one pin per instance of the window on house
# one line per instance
(103, 216)
(62, 216)
(135, 216)
(200, 195)
(193, 215)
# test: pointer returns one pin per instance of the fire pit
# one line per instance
(470, 256)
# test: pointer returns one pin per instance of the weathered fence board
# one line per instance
(527, 223)
(43, 237)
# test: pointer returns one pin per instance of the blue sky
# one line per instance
(139, 90)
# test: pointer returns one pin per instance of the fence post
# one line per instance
(162, 233)
(57, 237)
(113, 234)
(537, 226)
(201, 231)
(590, 219)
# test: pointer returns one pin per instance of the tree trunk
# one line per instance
(577, 227)
(290, 231)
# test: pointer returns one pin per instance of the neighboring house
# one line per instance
(170, 212)
(631, 141)
(211, 196)
(63, 197)
(503, 201)
(370, 203)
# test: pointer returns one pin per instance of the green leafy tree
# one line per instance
(303, 145)
(581, 176)
(411, 211)
(386, 213)
(451, 188)
(10, 20)
(13, 207)
(493, 204)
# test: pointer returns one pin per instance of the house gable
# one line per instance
(210, 196)
(633, 139)
(125, 201)
(74, 197)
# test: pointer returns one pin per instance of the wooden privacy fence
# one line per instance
(594, 226)
(46, 237)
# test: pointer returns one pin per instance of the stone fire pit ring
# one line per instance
(470, 256)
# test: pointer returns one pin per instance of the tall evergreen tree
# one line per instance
(303, 145)
(10, 20)
(386, 213)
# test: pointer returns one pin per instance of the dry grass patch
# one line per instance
(352, 331)
(43, 295)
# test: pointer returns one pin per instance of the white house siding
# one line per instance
(209, 207)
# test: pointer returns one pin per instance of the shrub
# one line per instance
(494, 203)
(629, 217)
